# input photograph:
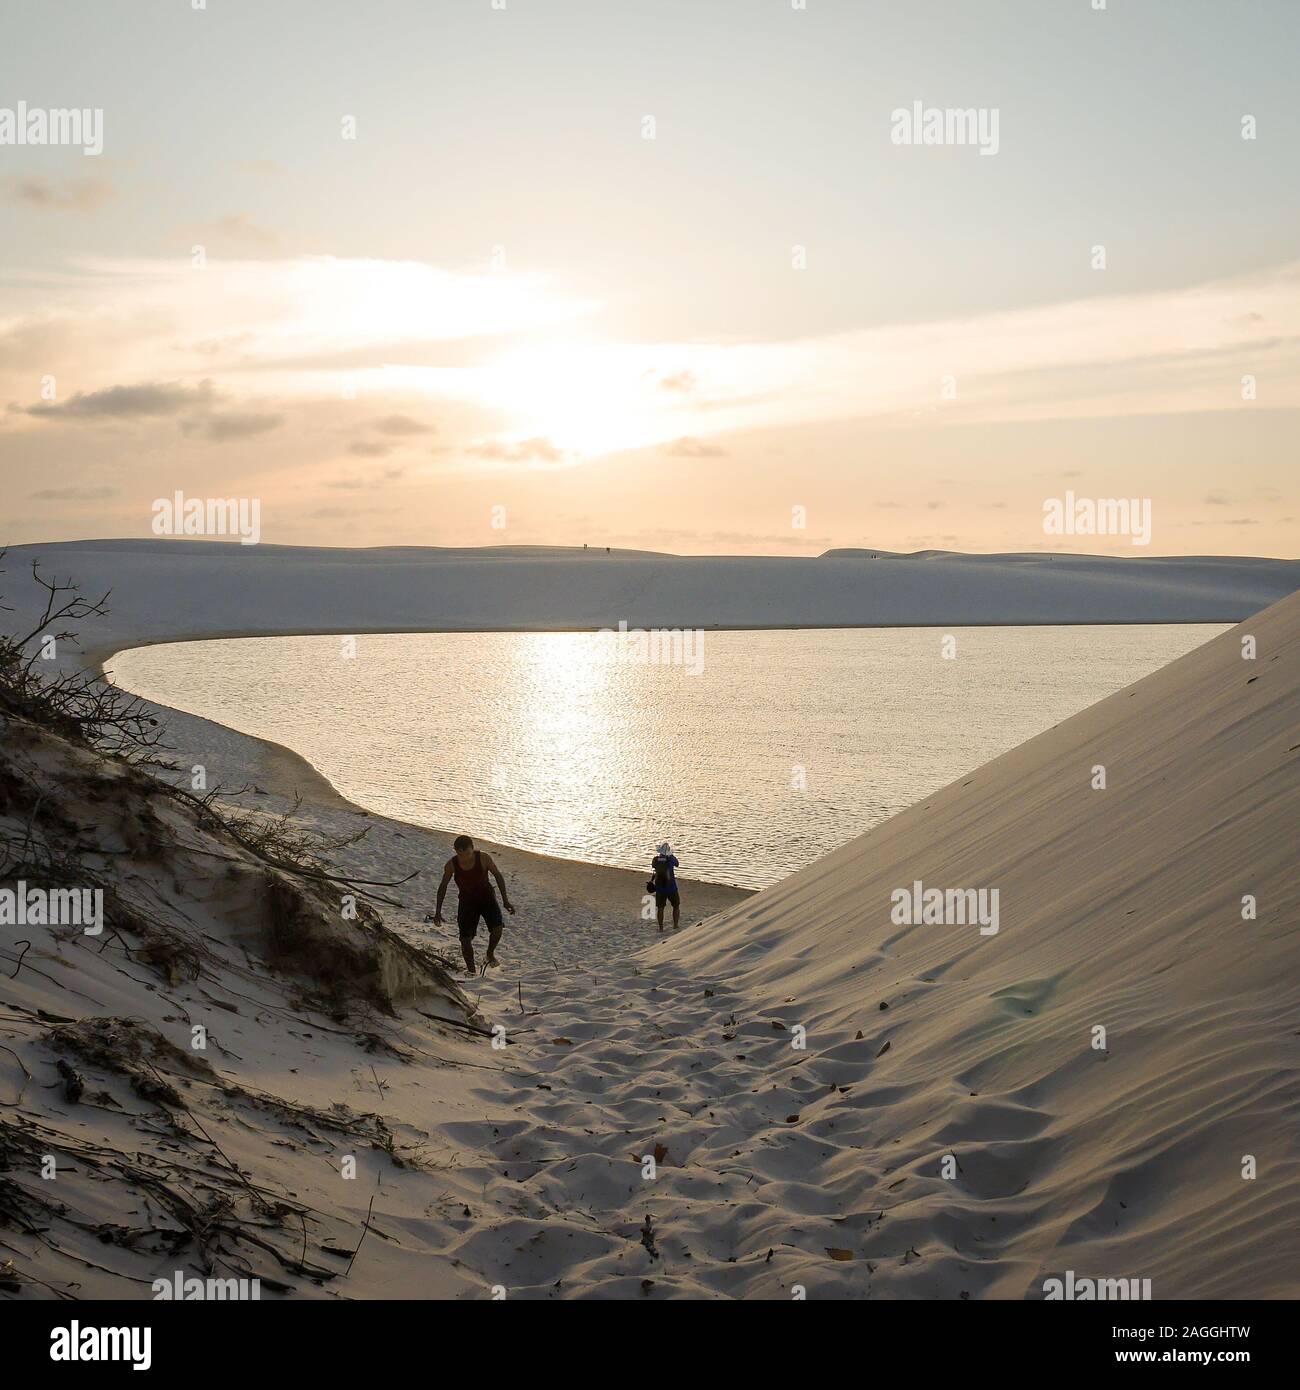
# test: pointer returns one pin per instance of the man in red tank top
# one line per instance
(475, 898)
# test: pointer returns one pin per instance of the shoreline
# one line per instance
(562, 892)
(281, 766)
(280, 771)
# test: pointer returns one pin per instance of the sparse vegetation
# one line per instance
(96, 714)
(281, 837)
(212, 918)
(74, 704)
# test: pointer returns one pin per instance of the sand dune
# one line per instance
(1120, 909)
(775, 1167)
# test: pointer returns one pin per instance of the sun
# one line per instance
(585, 398)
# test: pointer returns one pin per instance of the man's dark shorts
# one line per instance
(674, 897)
(468, 914)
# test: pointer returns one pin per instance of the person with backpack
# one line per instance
(663, 884)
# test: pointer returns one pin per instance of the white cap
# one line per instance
(665, 848)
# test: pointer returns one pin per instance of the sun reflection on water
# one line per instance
(784, 745)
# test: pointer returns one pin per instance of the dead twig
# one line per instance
(26, 1074)
(27, 946)
(365, 1232)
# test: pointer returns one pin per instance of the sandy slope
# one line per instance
(1119, 908)
(170, 1156)
(570, 914)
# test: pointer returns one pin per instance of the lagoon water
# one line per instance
(767, 751)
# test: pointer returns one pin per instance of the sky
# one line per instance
(661, 274)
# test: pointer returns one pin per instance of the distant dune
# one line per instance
(167, 589)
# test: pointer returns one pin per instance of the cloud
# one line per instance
(797, 540)
(75, 195)
(355, 484)
(522, 451)
(161, 400)
(503, 364)
(1217, 498)
(687, 447)
(349, 513)
(241, 230)
(74, 494)
(148, 400)
(401, 425)
(367, 449)
(45, 339)
(240, 425)
(1158, 353)
(307, 328)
